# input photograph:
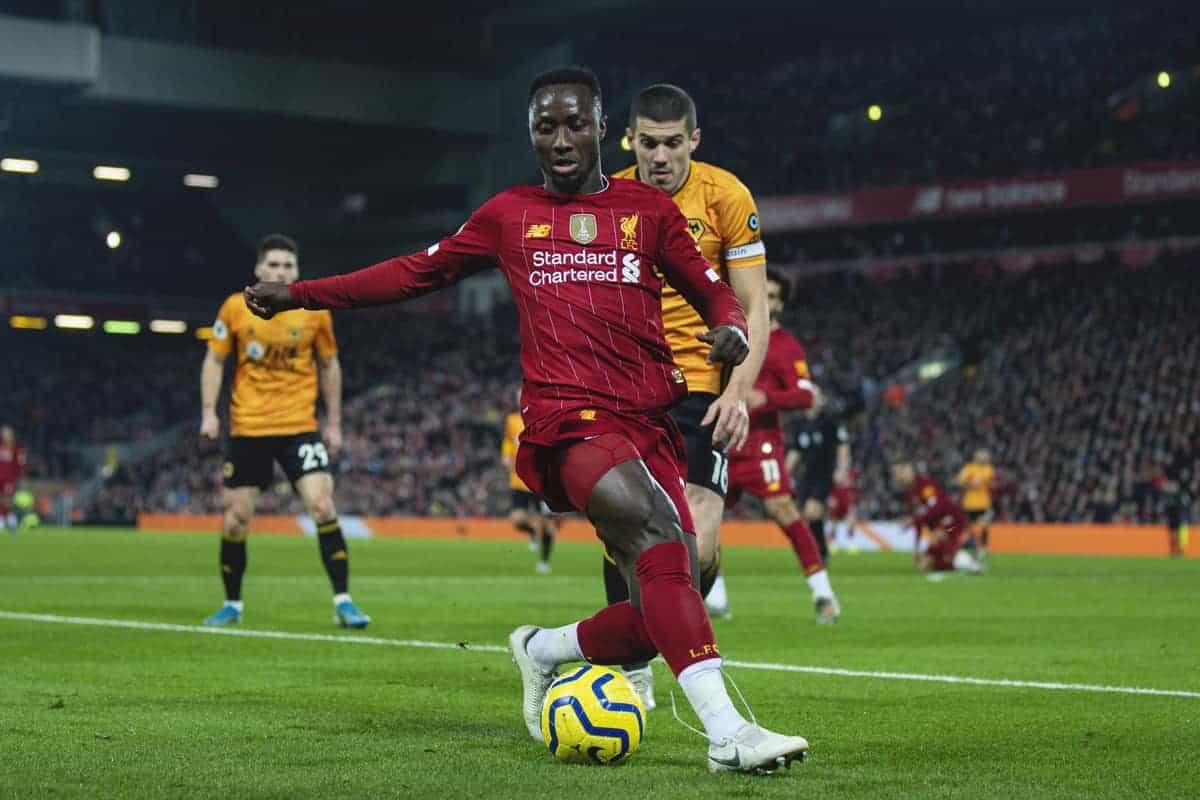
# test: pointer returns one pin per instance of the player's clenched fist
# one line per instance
(266, 299)
(729, 345)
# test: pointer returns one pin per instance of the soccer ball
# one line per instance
(592, 716)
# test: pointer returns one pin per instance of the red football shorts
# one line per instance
(950, 529)
(563, 460)
(941, 551)
(759, 469)
(840, 501)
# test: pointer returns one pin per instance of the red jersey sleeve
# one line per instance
(788, 365)
(686, 270)
(472, 249)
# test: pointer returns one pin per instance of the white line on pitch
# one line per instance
(248, 632)
(491, 648)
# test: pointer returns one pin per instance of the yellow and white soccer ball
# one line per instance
(592, 715)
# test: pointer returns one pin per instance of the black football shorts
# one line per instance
(250, 460)
(707, 464)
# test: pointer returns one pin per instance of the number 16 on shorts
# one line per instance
(720, 473)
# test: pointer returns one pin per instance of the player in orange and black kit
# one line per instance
(933, 511)
(1177, 485)
(12, 470)
(977, 479)
(273, 410)
(528, 513)
(723, 219)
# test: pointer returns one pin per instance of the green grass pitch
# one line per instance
(92, 711)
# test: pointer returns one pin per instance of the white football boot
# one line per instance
(965, 562)
(642, 681)
(534, 682)
(828, 610)
(756, 750)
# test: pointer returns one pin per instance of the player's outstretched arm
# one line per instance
(455, 257)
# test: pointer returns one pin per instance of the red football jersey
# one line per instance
(930, 506)
(784, 379)
(12, 464)
(586, 272)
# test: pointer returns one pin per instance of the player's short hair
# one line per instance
(580, 76)
(785, 284)
(663, 102)
(276, 241)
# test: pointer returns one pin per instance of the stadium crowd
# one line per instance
(1081, 377)
(1045, 93)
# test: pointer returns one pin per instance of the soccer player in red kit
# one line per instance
(759, 467)
(12, 470)
(586, 259)
(933, 510)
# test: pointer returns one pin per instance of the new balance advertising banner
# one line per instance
(1139, 183)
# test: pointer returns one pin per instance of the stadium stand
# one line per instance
(1080, 376)
(1051, 92)
(1045, 93)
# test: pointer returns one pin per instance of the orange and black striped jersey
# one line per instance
(275, 379)
(976, 480)
(723, 219)
(513, 425)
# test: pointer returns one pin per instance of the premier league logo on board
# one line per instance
(583, 228)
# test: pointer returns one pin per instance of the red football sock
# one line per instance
(615, 635)
(805, 545)
(672, 608)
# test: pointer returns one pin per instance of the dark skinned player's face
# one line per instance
(565, 127)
